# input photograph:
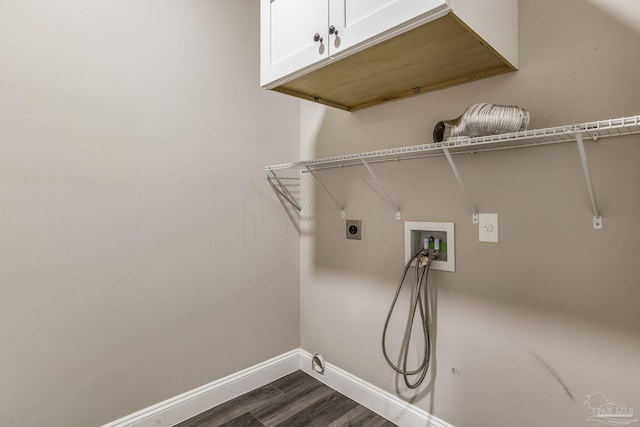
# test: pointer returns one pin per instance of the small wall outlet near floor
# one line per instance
(317, 363)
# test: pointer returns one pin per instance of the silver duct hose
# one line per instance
(482, 120)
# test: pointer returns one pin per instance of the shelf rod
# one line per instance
(283, 191)
(386, 195)
(341, 207)
(597, 216)
(454, 169)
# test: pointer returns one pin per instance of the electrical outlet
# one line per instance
(488, 228)
(354, 229)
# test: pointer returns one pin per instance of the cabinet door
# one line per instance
(293, 35)
(360, 20)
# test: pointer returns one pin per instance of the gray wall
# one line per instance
(142, 252)
(530, 326)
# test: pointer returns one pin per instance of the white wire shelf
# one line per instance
(590, 130)
(570, 133)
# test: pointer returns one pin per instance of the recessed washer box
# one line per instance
(416, 232)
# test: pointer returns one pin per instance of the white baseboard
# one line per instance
(177, 409)
(383, 403)
(180, 408)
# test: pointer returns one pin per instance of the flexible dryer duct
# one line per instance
(483, 120)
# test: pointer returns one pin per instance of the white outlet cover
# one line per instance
(488, 228)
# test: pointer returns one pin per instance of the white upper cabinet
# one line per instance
(296, 34)
(293, 35)
(355, 21)
(352, 54)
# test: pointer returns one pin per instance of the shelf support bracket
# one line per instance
(597, 216)
(341, 207)
(386, 195)
(282, 190)
(454, 169)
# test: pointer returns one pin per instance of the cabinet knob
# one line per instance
(332, 30)
(317, 38)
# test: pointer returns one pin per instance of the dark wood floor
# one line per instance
(295, 400)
